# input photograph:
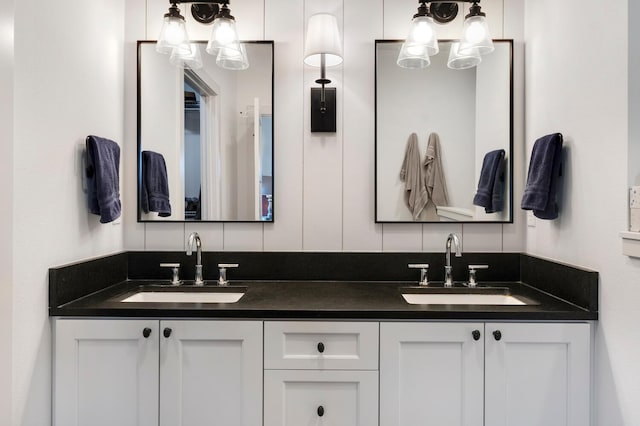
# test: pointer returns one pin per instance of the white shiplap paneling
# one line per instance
(360, 232)
(323, 177)
(285, 233)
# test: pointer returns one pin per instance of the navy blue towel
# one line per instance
(491, 183)
(154, 195)
(103, 183)
(542, 180)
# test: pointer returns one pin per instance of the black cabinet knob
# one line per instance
(321, 411)
(167, 332)
(321, 347)
(497, 335)
(476, 334)
(146, 332)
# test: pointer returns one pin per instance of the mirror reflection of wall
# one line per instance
(470, 111)
(208, 124)
(193, 131)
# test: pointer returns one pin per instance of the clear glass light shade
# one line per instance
(461, 61)
(323, 36)
(233, 57)
(173, 35)
(223, 34)
(423, 33)
(413, 57)
(192, 60)
(475, 34)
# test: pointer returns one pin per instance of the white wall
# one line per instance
(6, 189)
(634, 94)
(324, 183)
(68, 83)
(582, 93)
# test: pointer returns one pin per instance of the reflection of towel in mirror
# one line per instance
(103, 182)
(154, 195)
(491, 182)
(545, 168)
(434, 175)
(415, 193)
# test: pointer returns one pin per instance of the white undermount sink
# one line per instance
(183, 297)
(461, 299)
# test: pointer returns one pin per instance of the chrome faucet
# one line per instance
(195, 238)
(448, 269)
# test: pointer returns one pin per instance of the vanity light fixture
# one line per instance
(323, 48)
(223, 43)
(422, 41)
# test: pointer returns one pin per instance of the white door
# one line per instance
(431, 374)
(211, 373)
(537, 374)
(105, 372)
(320, 398)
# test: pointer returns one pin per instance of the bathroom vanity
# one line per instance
(322, 351)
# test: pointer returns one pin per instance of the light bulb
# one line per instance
(224, 33)
(475, 32)
(422, 32)
(174, 32)
(475, 35)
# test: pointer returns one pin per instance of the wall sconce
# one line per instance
(323, 48)
(223, 43)
(422, 41)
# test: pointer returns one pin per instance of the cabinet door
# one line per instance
(105, 373)
(537, 374)
(331, 398)
(211, 373)
(431, 374)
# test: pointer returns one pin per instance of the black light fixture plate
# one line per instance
(323, 122)
(204, 13)
(444, 12)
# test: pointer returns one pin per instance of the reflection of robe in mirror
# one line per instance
(415, 193)
(434, 178)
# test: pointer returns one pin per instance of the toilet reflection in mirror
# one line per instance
(214, 129)
(470, 111)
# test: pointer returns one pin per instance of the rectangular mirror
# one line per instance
(469, 111)
(213, 130)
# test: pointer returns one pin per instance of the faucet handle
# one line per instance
(175, 280)
(223, 272)
(472, 274)
(424, 270)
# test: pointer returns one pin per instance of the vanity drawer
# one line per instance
(314, 345)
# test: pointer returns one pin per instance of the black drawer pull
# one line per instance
(321, 347)
(497, 335)
(167, 332)
(146, 332)
(476, 334)
(321, 411)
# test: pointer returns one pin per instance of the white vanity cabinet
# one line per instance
(431, 374)
(537, 374)
(323, 373)
(210, 373)
(151, 372)
(514, 374)
(105, 373)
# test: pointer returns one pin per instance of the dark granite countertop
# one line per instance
(294, 299)
(305, 285)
